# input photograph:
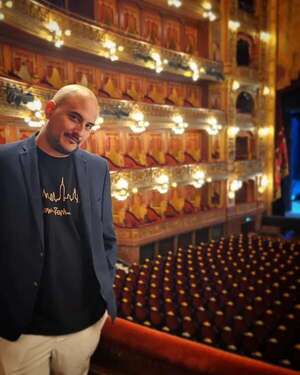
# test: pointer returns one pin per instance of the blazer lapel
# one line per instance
(29, 163)
(81, 167)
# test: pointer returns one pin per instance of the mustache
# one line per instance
(74, 137)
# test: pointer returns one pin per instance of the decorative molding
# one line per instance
(32, 18)
(116, 110)
(170, 227)
(246, 169)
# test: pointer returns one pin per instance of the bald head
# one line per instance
(71, 115)
(71, 90)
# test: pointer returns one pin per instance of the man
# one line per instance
(57, 243)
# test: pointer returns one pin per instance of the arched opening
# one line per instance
(247, 6)
(245, 103)
(243, 57)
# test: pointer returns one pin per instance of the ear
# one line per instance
(50, 107)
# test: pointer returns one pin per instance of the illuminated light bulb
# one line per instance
(157, 64)
(58, 43)
(175, 3)
(99, 120)
(264, 36)
(266, 90)
(208, 179)
(95, 128)
(1, 16)
(68, 32)
(109, 44)
(98, 123)
(178, 119)
(212, 121)
(38, 114)
(231, 194)
(235, 185)
(162, 182)
(58, 33)
(198, 175)
(114, 58)
(140, 125)
(234, 25)
(137, 116)
(264, 181)
(36, 124)
(212, 17)
(135, 190)
(120, 189)
(53, 26)
(263, 132)
(198, 179)
(233, 130)
(120, 48)
(195, 70)
(9, 4)
(206, 5)
(174, 184)
(35, 105)
(235, 85)
(178, 130)
(202, 70)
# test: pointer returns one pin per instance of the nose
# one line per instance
(79, 128)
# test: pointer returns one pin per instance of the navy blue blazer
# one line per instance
(22, 237)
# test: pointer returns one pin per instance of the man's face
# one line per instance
(70, 122)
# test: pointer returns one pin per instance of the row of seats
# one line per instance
(240, 294)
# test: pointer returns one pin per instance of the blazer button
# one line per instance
(36, 284)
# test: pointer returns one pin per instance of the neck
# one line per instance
(43, 144)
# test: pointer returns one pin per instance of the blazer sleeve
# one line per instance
(109, 236)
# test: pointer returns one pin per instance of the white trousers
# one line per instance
(44, 355)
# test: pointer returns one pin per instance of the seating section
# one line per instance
(239, 294)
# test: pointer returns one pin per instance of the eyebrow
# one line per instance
(91, 124)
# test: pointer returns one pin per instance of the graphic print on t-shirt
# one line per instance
(62, 196)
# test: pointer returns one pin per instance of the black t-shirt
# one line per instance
(69, 296)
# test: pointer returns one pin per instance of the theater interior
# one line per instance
(200, 124)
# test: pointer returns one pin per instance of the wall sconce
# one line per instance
(264, 36)
(120, 189)
(266, 90)
(111, 49)
(140, 125)
(157, 63)
(235, 85)
(198, 178)
(234, 186)
(207, 11)
(8, 4)
(234, 25)
(175, 3)
(99, 121)
(179, 125)
(195, 70)
(233, 131)
(57, 33)
(263, 132)
(213, 127)
(210, 15)
(263, 182)
(37, 118)
(162, 183)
